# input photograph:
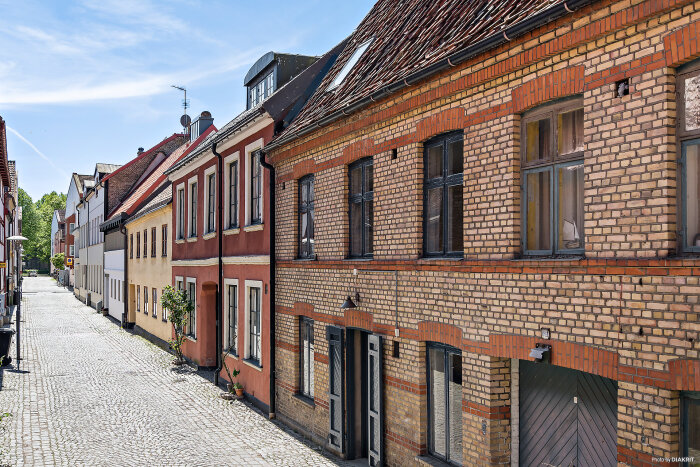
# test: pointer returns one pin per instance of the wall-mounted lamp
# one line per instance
(349, 303)
(541, 352)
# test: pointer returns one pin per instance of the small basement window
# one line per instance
(354, 58)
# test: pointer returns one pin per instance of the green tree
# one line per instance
(179, 308)
(36, 222)
(58, 261)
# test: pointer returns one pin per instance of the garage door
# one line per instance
(567, 417)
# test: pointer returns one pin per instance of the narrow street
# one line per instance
(90, 393)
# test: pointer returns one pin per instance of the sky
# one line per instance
(89, 81)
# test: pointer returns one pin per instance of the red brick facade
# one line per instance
(628, 311)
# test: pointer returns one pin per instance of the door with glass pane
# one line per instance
(445, 402)
(375, 420)
(336, 431)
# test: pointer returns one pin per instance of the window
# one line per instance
(361, 197)
(191, 324)
(233, 195)
(552, 162)
(145, 243)
(164, 240)
(138, 298)
(306, 217)
(255, 188)
(443, 192)
(445, 402)
(131, 246)
(690, 425)
(180, 214)
(163, 310)
(193, 209)
(145, 300)
(71, 226)
(269, 85)
(354, 58)
(154, 291)
(253, 321)
(153, 242)
(688, 87)
(211, 202)
(138, 244)
(306, 366)
(231, 325)
(71, 250)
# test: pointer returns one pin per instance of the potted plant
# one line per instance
(232, 387)
(179, 308)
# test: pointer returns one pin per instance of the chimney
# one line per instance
(140, 151)
(200, 125)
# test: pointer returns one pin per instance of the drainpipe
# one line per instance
(269, 167)
(219, 287)
(125, 286)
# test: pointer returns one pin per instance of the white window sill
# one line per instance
(191, 339)
(253, 228)
(209, 235)
(191, 239)
(252, 365)
(180, 241)
(234, 231)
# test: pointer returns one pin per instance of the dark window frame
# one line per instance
(131, 246)
(180, 213)
(551, 165)
(687, 398)
(191, 325)
(446, 351)
(306, 330)
(146, 311)
(306, 209)
(365, 196)
(232, 317)
(685, 139)
(154, 304)
(145, 243)
(164, 240)
(255, 183)
(233, 195)
(445, 181)
(153, 242)
(193, 209)
(211, 202)
(255, 339)
(138, 244)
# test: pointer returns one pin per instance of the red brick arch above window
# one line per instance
(555, 85)
(358, 150)
(441, 122)
(682, 45)
(358, 319)
(305, 167)
(431, 331)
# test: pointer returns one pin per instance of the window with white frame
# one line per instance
(306, 357)
(154, 291)
(231, 191)
(145, 300)
(192, 188)
(231, 316)
(138, 298)
(253, 322)
(163, 310)
(180, 213)
(210, 199)
(254, 184)
(71, 250)
(191, 324)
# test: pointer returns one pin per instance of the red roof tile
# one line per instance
(409, 36)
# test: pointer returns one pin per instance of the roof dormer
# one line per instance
(271, 72)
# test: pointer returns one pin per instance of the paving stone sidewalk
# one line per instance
(90, 393)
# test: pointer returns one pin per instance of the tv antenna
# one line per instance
(185, 120)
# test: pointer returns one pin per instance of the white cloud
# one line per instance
(36, 150)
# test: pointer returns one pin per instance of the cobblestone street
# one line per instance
(90, 393)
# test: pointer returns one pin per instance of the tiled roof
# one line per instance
(410, 36)
(156, 178)
(12, 165)
(163, 198)
(60, 215)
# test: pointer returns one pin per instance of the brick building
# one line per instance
(487, 179)
(276, 86)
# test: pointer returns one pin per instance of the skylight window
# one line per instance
(350, 64)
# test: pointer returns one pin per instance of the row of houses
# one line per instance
(467, 234)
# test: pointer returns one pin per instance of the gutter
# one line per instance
(125, 282)
(540, 19)
(273, 230)
(219, 288)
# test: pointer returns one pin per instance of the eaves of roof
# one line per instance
(142, 155)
